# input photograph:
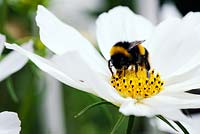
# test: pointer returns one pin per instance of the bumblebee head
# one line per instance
(120, 60)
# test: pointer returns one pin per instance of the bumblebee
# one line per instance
(124, 54)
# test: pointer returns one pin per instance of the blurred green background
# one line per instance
(24, 91)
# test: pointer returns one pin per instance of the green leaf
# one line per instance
(118, 123)
(89, 107)
(11, 90)
(166, 121)
(181, 127)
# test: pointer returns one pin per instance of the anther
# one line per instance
(146, 81)
(152, 71)
(124, 80)
(139, 84)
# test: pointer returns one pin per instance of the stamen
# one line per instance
(138, 85)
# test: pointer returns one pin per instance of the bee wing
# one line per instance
(135, 43)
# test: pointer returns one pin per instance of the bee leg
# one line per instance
(109, 66)
(124, 68)
(119, 72)
(148, 74)
(136, 68)
(147, 65)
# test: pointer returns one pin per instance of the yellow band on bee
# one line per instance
(118, 49)
(141, 49)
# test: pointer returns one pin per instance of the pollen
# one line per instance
(138, 85)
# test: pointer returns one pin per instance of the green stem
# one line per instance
(89, 107)
(11, 90)
(130, 124)
(166, 121)
(119, 122)
(181, 127)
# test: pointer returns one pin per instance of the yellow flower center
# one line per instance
(138, 85)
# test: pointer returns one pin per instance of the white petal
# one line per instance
(107, 92)
(182, 100)
(61, 38)
(139, 109)
(166, 102)
(190, 69)
(157, 105)
(183, 81)
(2, 40)
(50, 67)
(192, 129)
(172, 102)
(76, 68)
(172, 43)
(9, 123)
(192, 126)
(169, 10)
(192, 18)
(121, 24)
(149, 107)
(167, 106)
(191, 66)
(182, 87)
(161, 125)
(175, 114)
(56, 35)
(163, 102)
(13, 62)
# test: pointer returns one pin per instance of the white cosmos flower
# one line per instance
(9, 123)
(173, 46)
(13, 61)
